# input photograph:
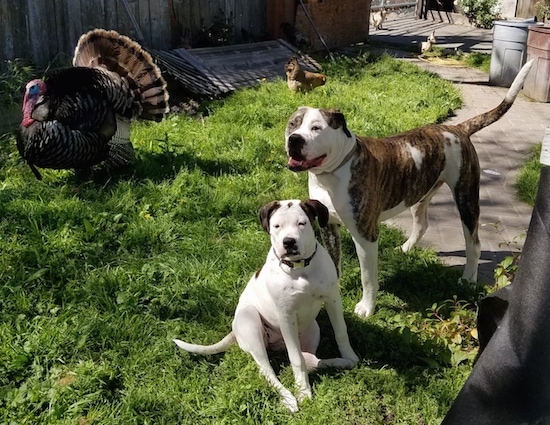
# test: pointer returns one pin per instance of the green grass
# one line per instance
(528, 179)
(478, 60)
(96, 278)
(481, 61)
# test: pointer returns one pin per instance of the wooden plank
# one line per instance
(34, 12)
(93, 15)
(74, 13)
(16, 33)
(197, 64)
(40, 29)
(112, 10)
(160, 20)
(155, 20)
(340, 22)
(279, 11)
(186, 74)
(7, 41)
(65, 51)
(143, 19)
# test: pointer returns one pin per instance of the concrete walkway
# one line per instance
(502, 147)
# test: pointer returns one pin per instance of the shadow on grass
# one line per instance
(158, 167)
(167, 164)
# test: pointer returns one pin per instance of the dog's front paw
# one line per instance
(344, 363)
(303, 394)
(289, 401)
(351, 357)
(364, 309)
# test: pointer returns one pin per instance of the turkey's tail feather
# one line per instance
(117, 53)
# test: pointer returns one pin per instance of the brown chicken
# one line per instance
(299, 80)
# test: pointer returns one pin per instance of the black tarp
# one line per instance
(510, 382)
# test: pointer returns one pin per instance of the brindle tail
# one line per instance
(478, 122)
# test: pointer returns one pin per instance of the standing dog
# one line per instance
(377, 18)
(364, 181)
(279, 305)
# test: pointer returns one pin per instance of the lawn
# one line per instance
(97, 277)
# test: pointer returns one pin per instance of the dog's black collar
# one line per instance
(297, 264)
(344, 161)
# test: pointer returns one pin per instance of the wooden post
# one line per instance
(279, 11)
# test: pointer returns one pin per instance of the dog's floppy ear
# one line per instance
(335, 119)
(265, 214)
(314, 208)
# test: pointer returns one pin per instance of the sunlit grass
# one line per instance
(96, 278)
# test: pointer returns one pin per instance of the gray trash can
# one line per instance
(509, 50)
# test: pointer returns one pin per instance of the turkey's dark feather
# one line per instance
(85, 89)
(51, 144)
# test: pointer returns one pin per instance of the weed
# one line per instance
(506, 270)
(12, 82)
(527, 182)
(481, 13)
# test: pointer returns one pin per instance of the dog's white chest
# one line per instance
(332, 190)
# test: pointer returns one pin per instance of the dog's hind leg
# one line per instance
(466, 195)
(330, 234)
(420, 218)
(309, 341)
(250, 333)
(473, 253)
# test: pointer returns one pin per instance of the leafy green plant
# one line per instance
(448, 332)
(542, 7)
(506, 270)
(527, 182)
(12, 82)
(481, 13)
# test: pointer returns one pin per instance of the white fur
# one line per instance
(417, 156)
(279, 306)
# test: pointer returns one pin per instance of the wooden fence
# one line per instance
(41, 30)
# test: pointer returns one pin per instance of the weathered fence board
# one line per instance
(41, 30)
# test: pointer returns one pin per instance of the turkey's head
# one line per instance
(35, 105)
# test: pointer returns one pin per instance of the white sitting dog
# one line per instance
(279, 305)
(363, 180)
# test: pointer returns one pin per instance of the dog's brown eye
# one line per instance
(302, 223)
(315, 128)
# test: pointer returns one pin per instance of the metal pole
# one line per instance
(308, 16)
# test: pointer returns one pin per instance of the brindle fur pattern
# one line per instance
(389, 168)
(364, 181)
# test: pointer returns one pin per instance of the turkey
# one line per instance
(80, 117)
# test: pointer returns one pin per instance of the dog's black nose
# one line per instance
(289, 243)
(295, 145)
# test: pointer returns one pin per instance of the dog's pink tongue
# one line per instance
(295, 165)
(294, 162)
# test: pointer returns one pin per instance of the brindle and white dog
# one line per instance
(364, 181)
